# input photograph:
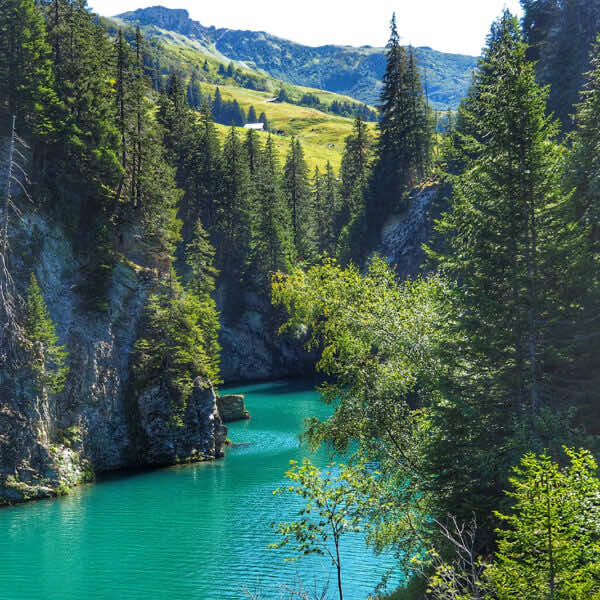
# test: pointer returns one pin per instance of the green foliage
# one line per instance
(178, 344)
(272, 244)
(297, 188)
(520, 261)
(404, 139)
(337, 502)
(26, 78)
(560, 37)
(234, 212)
(45, 357)
(380, 350)
(355, 173)
(200, 257)
(549, 546)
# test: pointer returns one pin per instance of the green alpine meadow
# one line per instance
(300, 320)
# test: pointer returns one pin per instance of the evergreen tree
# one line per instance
(26, 78)
(321, 224)
(200, 258)
(520, 265)
(237, 114)
(252, 115)
(272, 246)
(234, 212)
(560, 36)
(194, 95)
(85, 158)
(263, 119)
(178, 344)
(585, 156)
(253, 150)
(297, 188)
(217, 107)
(204, 175)
(354, 174)
(45, 357)
(400, 157)
(555, 525)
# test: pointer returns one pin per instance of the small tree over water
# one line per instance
(337, 501)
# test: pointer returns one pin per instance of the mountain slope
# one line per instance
(346, 70)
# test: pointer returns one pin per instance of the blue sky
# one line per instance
(447, 25)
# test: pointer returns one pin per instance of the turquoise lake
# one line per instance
(197, 532)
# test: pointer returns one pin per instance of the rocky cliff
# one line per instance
(403, 234)
(97, 423)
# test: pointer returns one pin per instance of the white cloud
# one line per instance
(450, 26)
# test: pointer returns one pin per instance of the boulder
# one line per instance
(232, 408)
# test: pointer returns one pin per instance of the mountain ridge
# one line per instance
(348, 70)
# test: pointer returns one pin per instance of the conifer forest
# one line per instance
(177, 225)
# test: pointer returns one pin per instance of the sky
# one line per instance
(458, 26)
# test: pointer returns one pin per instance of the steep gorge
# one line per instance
(100, 422)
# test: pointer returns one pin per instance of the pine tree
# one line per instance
(85, 156)
(253, 150)
(297, 188)
(520, 264)
(178, 344)
(399, 161)
(321, 224)
(217, 107)
(234, 212)
(585, 156)
(26, 79)
(252, 115)
(204, 170)
(200, 258)
(272, 244)
(46, 357)
(354, 174)
(263, 119)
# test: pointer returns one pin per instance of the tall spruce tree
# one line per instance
(519, 263)
(297, 188)
(402, 135)
(45, 357)
(234, 212)
(273, 246)
(354, 174)
(204, 170)
(26, 78)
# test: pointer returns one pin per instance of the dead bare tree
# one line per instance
(463, 578)
(11, 331)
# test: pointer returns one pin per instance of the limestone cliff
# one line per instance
(403, 234)
(97, 423)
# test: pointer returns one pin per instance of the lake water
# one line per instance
(197, 532)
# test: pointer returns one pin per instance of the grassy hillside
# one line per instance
(322, 135)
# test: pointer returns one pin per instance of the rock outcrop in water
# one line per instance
(232, 408)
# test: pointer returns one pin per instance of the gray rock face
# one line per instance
(403, 235)
(49, 444)
(200, 435)
(232, 408)
(252, 348)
